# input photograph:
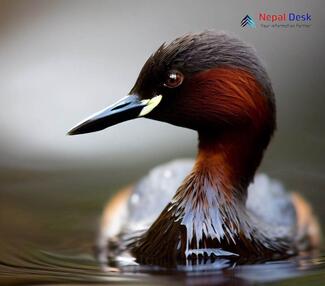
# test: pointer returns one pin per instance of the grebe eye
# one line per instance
(174, 79)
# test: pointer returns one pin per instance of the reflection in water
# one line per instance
(47, 236)
(26, 265)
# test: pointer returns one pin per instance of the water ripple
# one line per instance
(21, 266)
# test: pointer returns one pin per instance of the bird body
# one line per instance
(213, 206)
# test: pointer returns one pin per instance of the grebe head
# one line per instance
(208, 82)
(214, 84)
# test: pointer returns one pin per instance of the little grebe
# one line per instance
(214, 84)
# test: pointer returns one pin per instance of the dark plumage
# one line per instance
(214, 84)
(194, 53)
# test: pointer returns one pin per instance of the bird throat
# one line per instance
(207, 216)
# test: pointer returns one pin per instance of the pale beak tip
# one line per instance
(71, 132)
(75, 130)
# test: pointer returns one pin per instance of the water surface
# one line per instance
(49, 219)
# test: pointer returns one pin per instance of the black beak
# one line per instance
(127, 108)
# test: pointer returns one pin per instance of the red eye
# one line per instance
(174, 79)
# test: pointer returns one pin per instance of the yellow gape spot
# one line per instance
(150, 105)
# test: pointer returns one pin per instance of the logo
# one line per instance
(248, 21)
(280, 20)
